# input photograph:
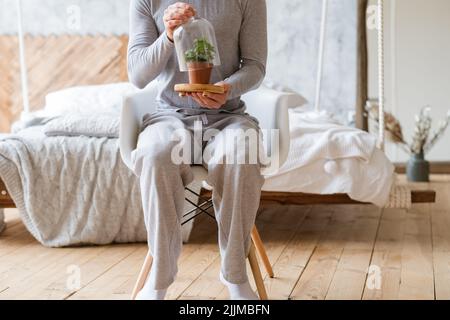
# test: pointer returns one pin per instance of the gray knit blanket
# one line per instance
(71, 190)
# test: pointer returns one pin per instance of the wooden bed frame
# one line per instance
(298, 198)
(102, 59)
(5, 199)
(283, 198)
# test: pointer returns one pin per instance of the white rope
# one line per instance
(400, 195)
(323, 31)
(381, 88)
(23, 65)
(399, 198)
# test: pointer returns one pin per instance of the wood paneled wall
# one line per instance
(57, 62)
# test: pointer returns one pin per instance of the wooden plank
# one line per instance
(350, 278)
(207, 286)
(117, 283)
(417, 279)
(276, 287)
(276, 231)
(323, 258)
(193, 267)
(196, 257)
(294, 258)
(441, 264)
(111, 282)
(440, 219)
(423, 196)
(387, 256)
(403, 254)
(12, 241)
(96, 264)
(362, 65)
(28, 268)
(318, 274)
(14, 237)
(294, 198)
(436, 167)
(417, 196)
(8, 64)
(284, 198)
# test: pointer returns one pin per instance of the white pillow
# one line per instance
(97, 125)
(294, 99)
(271, 84)
(87, 99)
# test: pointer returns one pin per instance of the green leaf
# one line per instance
(202, 51)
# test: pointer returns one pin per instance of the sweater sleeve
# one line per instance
(253, 49)
(148, 52)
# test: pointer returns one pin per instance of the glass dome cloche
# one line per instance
(196, 48)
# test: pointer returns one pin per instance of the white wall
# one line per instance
(294, 28)
(61, 16)
(418, 65)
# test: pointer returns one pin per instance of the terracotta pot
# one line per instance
(199, 72)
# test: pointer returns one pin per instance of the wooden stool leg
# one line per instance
(145, 270)
(262, 251)
(257, 273)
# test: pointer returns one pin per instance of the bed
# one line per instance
(105, 64)
(65, 175)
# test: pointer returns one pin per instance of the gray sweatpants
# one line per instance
(236, 187)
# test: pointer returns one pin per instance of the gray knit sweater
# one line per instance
(241, 31)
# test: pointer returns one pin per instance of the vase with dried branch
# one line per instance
(423, 139)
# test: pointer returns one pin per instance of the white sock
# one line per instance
(239, 291)
(148, 293)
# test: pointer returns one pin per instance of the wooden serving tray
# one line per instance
(184, 88)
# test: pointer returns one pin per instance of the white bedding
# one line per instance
(328, 158)
(71, 190)
(364, 182)
(106, 98)
(96, 125)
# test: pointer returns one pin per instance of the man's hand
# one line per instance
(176, 15)
(212, 100)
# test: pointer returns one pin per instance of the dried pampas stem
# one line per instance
(438, 134)
(392, 125)
(422, 130)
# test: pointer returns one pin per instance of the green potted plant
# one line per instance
(423, 140)
(199, 61)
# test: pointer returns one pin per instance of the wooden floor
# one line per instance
(318, 252)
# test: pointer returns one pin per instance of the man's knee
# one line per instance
(151, 157)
